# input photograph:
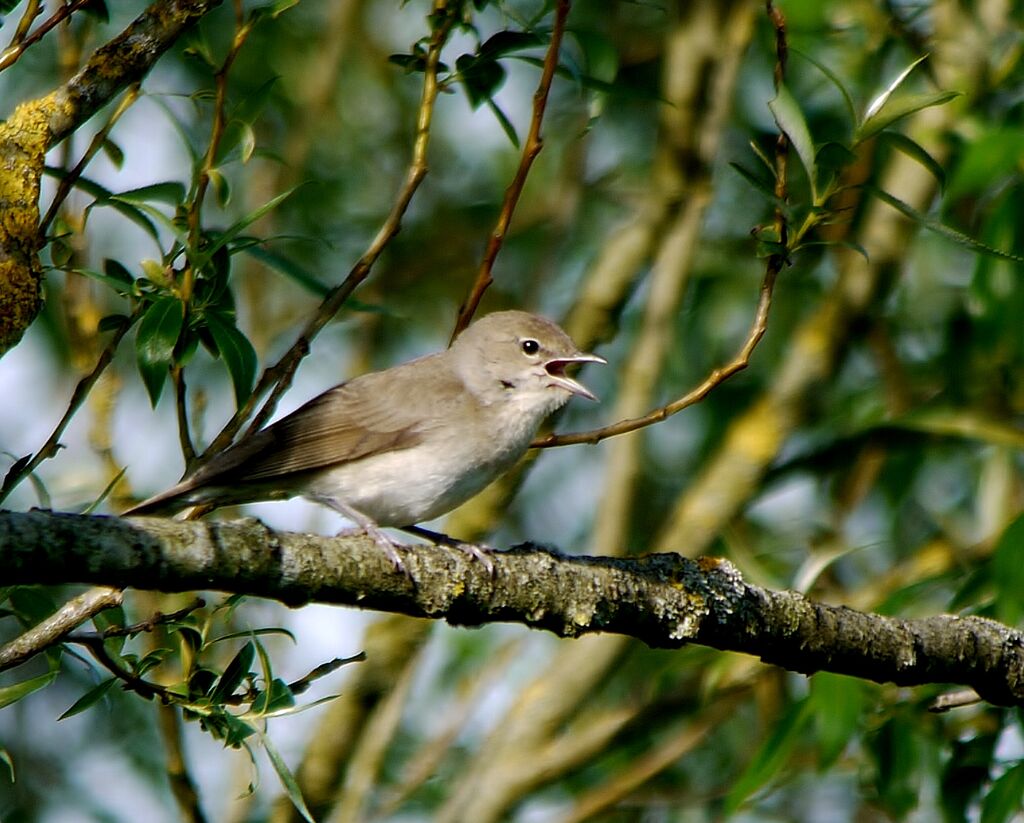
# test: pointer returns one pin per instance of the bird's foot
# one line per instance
(384, 543)
(479, 553)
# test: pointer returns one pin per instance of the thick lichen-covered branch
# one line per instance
(664, 600)
(37, 125)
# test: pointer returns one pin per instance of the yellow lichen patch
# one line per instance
(24, 139)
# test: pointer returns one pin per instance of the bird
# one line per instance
(407, 444)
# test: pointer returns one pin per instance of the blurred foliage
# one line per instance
(870, 454)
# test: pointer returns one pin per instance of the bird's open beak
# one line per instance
(556, 368)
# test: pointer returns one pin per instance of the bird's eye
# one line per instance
(531, 347)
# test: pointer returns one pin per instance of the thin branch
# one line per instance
(158, 619)
(22, 469)
(181, 407)
(531, 148)
(277, 378)
(54, 628)
(19, 46)
(31, 12)
(739, 362)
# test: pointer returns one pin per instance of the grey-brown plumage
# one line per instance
(407, 444)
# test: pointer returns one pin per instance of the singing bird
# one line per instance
(406, 444)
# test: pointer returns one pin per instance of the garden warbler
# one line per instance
(406, 444)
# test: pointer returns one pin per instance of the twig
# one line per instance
(243, 28)
(181, 406)
(303, 683)
(28, 16)
(739, 362)
(52, 444)
(19, 47)
(158, 619)
(278, 377)
(531, 148)
(773, 266)
(55, 627)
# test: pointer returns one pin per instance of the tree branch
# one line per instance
(37, 125)
(665, 600)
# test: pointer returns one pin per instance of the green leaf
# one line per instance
(113, 152)
(791, 121)
(837, 702)
(268, 630)
(1004, 800)
(504, 122)
(221, 187)
(897, 750)
(481, 77)
(236, 351)
(766, 187)
(156, 338)
(915, 151)
(831, 75)
(102, 197)
(882, 98)
(115, 283)
(897, 108)
(14, 693)
(988, 161)
(236, 671)
(288, 781)
(91, 697)
(1008, 572)
(5, 758)
(288, 267)
(238, 227)
(931, 224)
(771, 757)
(171, 193)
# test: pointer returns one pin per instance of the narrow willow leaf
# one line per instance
(915, 151)
(1004, 800)
(157, 336)
(90, 698)
(831, 75)
(5, 758)
(931, 224)
(172, 193)
(238, 227)
(104, 197)
(769, 760)
(236, 352)
(504, 122)
(268, 630)
(237, 670)
(898, 108)
(882, 98)
(288, 781)
(790, 120)
(289, 268)
(105, 493)
(14, 693)
(763, 186)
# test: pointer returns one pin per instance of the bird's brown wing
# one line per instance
(344, 424)
(377, 412)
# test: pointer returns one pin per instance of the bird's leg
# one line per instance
(480, 553)
(367, 524)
